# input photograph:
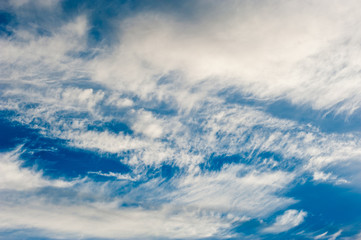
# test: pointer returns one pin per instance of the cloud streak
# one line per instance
(290, 219)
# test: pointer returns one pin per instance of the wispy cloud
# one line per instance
(335, 235)
(188, 211)
(15, 177)
(102, 220)
(290, 219)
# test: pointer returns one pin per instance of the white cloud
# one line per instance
(253, 194)
(119, 102)
(283, 52)
(335, 235)
(148, 125)
(322, 235)
(193, 206)
(32, 63)
(82, 97)
(102, 220)
(323, 177)
(290, 219)
(14, 177)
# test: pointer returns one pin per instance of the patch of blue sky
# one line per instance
(55, 159)
(113, 126)
(6, 19)
(19, 234)
(330, 207)
(12, 133)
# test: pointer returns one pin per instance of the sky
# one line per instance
(194, 119)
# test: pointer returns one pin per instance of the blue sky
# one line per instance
(180, 119)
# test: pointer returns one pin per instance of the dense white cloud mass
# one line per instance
(188, 90)
(301, 51)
